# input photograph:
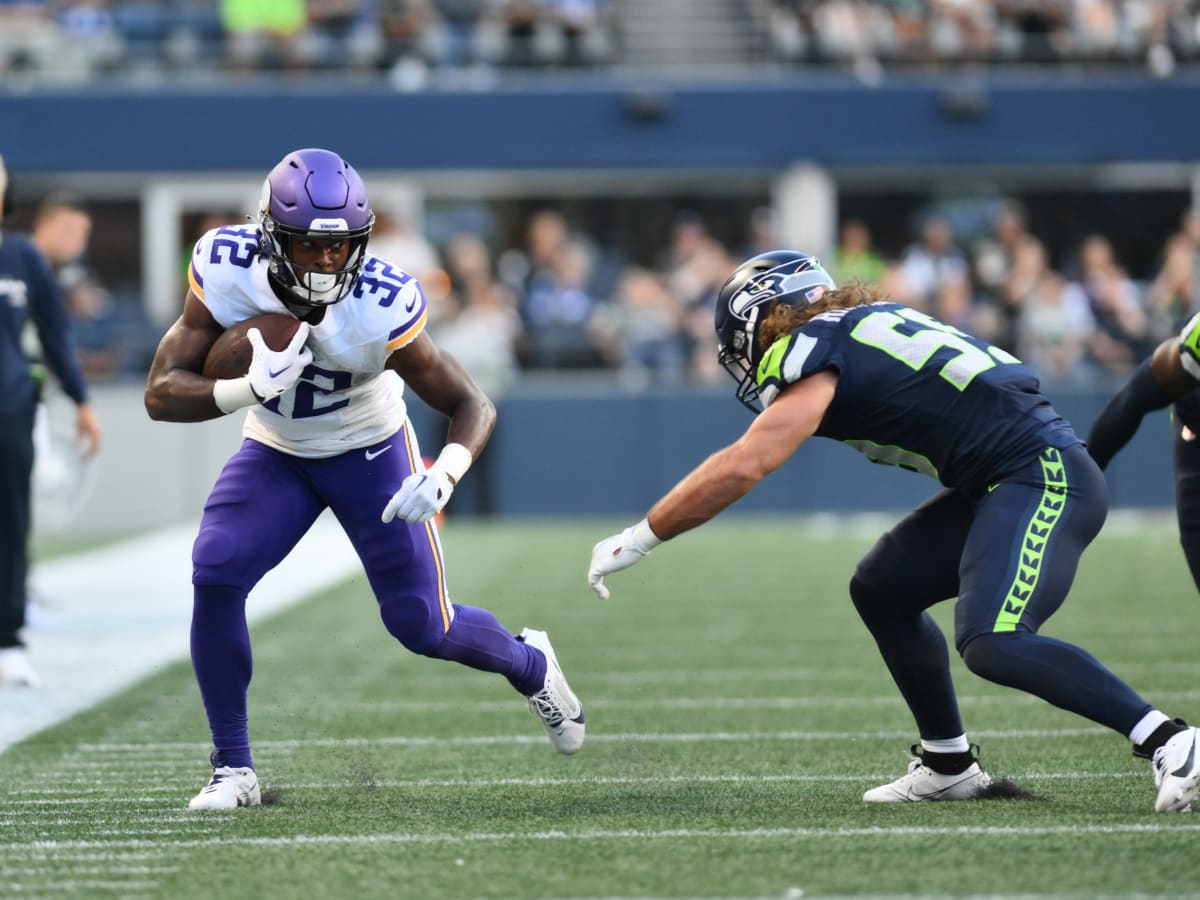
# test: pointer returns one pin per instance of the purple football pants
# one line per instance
(262, 504)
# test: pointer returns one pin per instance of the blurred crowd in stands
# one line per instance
(68, 39)
(559, 301)
(871, 34)
(74, 39)
(562, 300)
(558, 298)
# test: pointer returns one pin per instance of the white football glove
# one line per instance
(422, 495)
(271, 373)
(274, 371)
(619, 552)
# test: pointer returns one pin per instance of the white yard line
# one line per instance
(1169, 825)
(686, 703)
(629, 738)
(121, 612)
(32, 804)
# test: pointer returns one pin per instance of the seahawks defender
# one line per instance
(327, 428)
(1022, 500)
(28, 293)
(1170, 376)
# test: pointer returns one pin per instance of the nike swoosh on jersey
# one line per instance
(371, 455)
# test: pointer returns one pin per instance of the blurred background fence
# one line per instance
(572, 181)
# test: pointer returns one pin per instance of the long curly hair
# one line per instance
(783, 318)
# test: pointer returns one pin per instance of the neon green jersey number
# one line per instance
(880, 330)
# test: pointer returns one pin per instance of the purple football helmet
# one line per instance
(313, 194)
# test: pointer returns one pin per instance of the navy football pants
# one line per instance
(16, 476)
(1009, 554)
(1187, 495)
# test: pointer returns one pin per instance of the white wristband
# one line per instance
(232, 394)
(645, 536)
(454, 460)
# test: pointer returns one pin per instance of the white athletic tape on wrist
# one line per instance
(645, 536)
(454, 460)
(232, 394)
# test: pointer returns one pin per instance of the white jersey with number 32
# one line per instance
(346, 398)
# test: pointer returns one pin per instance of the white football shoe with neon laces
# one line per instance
(555, 704)
(1177, 772)
(228, 788)
(923, 784)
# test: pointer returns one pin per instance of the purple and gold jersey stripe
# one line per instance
(195, 281)
(405, 333)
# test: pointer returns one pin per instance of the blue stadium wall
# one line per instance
(1057, 118)
(604, 452)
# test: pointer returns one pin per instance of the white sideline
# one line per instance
(122, 611)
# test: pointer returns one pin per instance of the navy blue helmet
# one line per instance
(757, 285)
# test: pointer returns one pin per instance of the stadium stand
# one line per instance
(964, 152)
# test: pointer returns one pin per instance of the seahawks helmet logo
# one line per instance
(809, 283)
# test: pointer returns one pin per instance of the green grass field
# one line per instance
(736, 711)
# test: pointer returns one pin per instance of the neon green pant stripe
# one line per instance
(1037, 536)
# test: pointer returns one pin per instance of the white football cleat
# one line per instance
(555, 704)
(1177, 772)
(16, 670)
(922, 783)
(228, 788)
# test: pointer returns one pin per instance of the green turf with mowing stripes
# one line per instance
(736, 708)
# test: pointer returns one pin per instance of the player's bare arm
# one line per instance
(175, 389)
(1166, 364)
(439, 380)
(730, 474)
(1156, 384)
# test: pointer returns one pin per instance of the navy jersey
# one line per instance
(917, 393)
(28, 289)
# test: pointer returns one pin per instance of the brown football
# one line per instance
(230, 356)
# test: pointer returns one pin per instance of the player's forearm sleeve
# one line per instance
(1119, 420)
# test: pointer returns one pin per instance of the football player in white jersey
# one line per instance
(326, 427)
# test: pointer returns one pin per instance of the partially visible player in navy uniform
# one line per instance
(326, 428)
(28, 291)
(1022, 500)
(1170, 376)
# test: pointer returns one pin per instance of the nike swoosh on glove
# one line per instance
(612, 555)
(421, 496)
(272, 372)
